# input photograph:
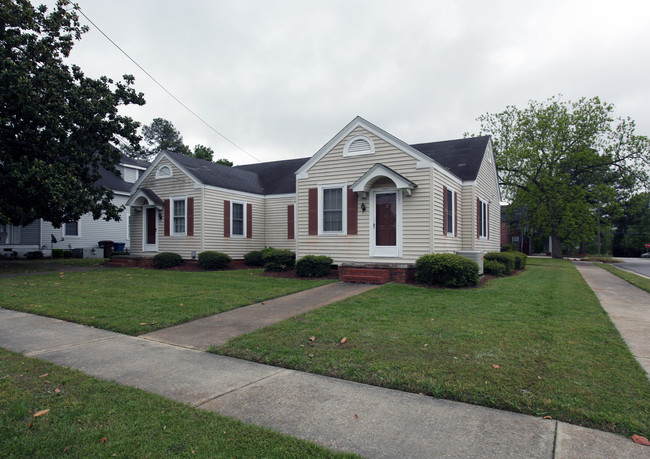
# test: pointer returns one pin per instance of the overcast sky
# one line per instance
(281, 78)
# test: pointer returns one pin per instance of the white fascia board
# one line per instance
(155, 163)
(281, 196)
(423, 161)
(229, 191)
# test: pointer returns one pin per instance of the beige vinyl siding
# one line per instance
(333, 167)
(469, 218)
(443, 242)
(486, 189)
(179, 185)
(276, 223)
(214, 238)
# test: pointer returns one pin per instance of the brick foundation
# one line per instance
(376, 273)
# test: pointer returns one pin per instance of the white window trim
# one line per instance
(346, 148)
(484, 220)
(160, 176)
(344, 206)
(243, 204)
(450, 207)
(78, 235)
(172, 226)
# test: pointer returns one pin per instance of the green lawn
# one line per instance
(93, 418)
(30, 266)
(634, 279)
(136, 301)
(537, 343)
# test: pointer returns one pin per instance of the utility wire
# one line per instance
(76, 7)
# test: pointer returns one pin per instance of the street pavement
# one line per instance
(636, 265)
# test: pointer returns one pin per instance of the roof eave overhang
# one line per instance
(364, 183)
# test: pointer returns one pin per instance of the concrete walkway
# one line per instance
(218, 329)
(347, 416)
(628, 307)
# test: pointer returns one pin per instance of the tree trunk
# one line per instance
(556, 249)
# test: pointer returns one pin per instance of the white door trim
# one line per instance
(385, 251)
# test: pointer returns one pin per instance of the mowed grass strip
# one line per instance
(634, 279)
(30, 266)
(537, 343)
(88, 417)
(136, 301)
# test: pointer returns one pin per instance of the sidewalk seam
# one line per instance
(203, 402)
(554, 452)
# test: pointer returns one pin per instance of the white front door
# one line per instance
(386, 223)
(150, 229)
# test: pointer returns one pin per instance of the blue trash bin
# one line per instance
(119, 246)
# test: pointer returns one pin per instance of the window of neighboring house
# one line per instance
(450, 211)
(332, 204)
(482, 219)
(237, 219)
(71, 229)
(179, 216)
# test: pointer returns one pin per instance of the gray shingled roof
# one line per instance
(133, 162)
(461, 157)
(112, 181)
(277, 177)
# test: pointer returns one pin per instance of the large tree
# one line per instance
(161, 135)
(567, 164)
(56, 125)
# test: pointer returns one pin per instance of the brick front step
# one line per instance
(366, 276)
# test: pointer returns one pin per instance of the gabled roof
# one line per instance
(218, 175)
(132, 162)
(277, 177)
(112, 181)
(461, 157)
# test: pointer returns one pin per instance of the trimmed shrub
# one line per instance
(213, 260)
(520, 260)
(314, 266)
(277, 260)
(512, 247)
(505, 258)
(446, 269)
(57, 253)
(68, 254)
(36, 255)
(254, 258)
(165, 260)
(494, 267)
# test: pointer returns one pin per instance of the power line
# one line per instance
(76, 7)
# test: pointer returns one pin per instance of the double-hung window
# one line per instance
(332, 205)
(482, 219)
(237, 219)
(71, 229)
(179, 216)
(450, 212)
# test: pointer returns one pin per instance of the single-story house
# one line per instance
(365, 199)
(86, 232)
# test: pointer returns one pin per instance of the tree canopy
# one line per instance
(567, 165)
(56, 124)
(161, 135)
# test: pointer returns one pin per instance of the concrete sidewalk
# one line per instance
(366, 420)
(628, 307)
(218, 329)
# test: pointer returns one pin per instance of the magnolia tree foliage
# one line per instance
(56, 124)
(567, 164)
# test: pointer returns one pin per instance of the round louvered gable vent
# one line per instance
(360, 145)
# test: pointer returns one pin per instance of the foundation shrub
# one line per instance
(494, 267)
(314, 266)
(447, 270)
(277, 260)
(165, 260)
(505, 258)
(213, 260)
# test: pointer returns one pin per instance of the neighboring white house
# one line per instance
(366, 198)
(84, 233)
